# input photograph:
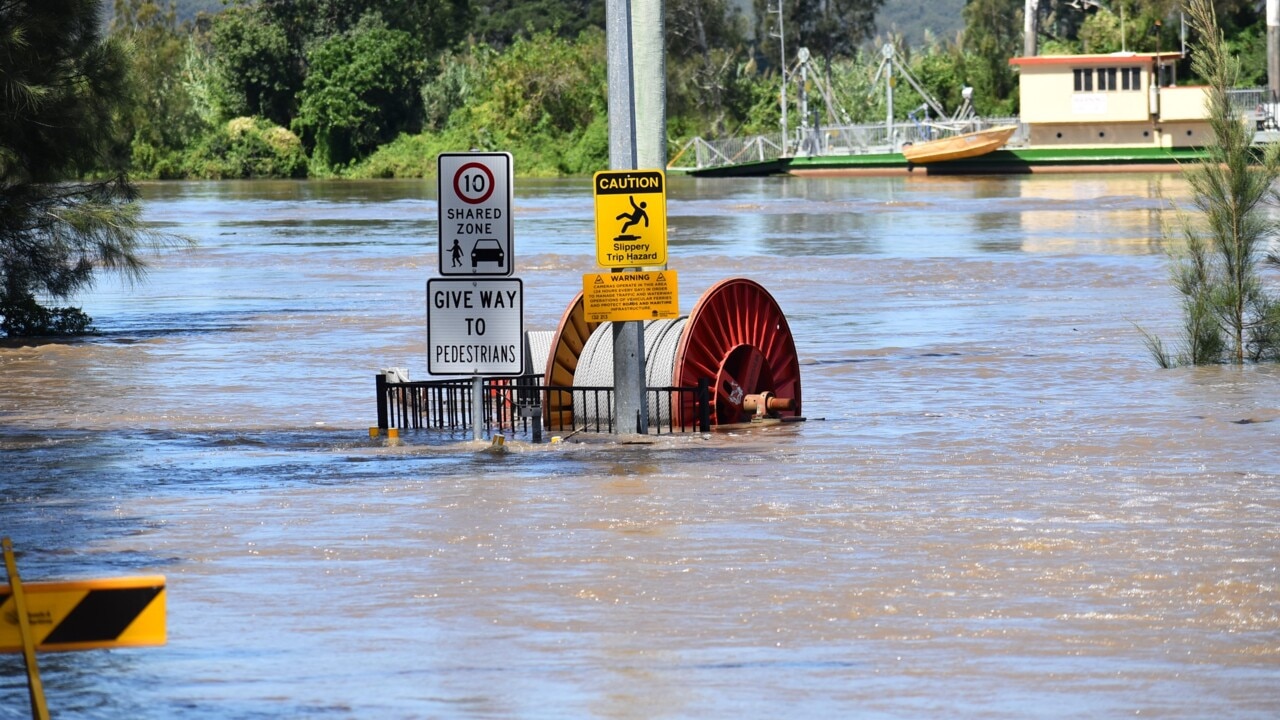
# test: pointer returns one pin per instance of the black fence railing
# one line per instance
(524, 405)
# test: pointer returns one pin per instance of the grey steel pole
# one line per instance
(1273, 49)
(782, 51)
(637, 139)
(1029, 28)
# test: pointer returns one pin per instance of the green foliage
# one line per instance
(459, 77)
(993, 34)
(523, 76)
(545, 95)
(498, 23)
(24, 317)
(255, 69)
(706, 85)
(162, 115)
(1228, 315)
(543, 100)
(244, 148)
(61, 88)
(361, 91)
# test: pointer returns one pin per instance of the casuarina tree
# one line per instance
(61, 89)
(1228, 314)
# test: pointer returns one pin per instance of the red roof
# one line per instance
(1094, 60)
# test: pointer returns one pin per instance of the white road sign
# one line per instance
(475, 214)
(475, 327)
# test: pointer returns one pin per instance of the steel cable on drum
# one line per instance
(595, 369)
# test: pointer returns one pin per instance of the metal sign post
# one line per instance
(475, 327)
(637, 138)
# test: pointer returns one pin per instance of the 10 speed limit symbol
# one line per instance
(475, 214)
(473, 183)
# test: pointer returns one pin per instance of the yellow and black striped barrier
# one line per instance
(87, 614)
(76, 615)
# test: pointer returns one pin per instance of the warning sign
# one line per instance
(631, 218)
(628, 296)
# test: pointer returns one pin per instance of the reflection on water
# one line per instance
(999, 506)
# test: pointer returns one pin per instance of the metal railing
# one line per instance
(524, 405)
(700, 153)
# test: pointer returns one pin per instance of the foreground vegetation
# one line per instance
(1229, 316)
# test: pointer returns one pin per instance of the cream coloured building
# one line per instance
(1108, 100)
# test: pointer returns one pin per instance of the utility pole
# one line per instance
(1273, 49)
(637, 139)
(1029, 29)
(782, 52)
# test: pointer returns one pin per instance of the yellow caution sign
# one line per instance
(628, 296)
(631, 218)
(87, 614)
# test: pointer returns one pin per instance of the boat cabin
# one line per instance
(1124, 99)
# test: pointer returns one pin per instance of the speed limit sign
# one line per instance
(475, 214)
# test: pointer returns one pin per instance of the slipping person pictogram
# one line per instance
(636, 216)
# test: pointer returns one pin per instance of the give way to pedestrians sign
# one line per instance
(475, 214)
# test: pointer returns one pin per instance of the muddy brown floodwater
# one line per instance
(999, 507)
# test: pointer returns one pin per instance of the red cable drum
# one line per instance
(737, 337)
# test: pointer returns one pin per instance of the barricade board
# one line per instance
(87, 614)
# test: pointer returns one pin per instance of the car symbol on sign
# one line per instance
(487, 250)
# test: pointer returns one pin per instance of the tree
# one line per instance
(60, 92)
(992, 35)
(499, 22)
(162, 116)
(704, 42)
(362, 90)
(257, 71)
(1228, 314)
(828, 28)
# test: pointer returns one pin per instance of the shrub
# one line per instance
(248, 148)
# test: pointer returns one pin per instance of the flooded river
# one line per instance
(998, 508)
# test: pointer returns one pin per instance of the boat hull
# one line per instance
(1022, 161)
(959, 147)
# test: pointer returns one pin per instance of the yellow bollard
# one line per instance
(39, 711)
(374, 432)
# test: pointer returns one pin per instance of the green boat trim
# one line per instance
(1001, 162)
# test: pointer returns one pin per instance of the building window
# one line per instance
(1084, 80)
(1131, 78)
(1106, 79)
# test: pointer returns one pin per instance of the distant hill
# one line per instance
(911, 18)
(185, 9)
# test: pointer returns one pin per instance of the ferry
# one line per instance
(1118, 112)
